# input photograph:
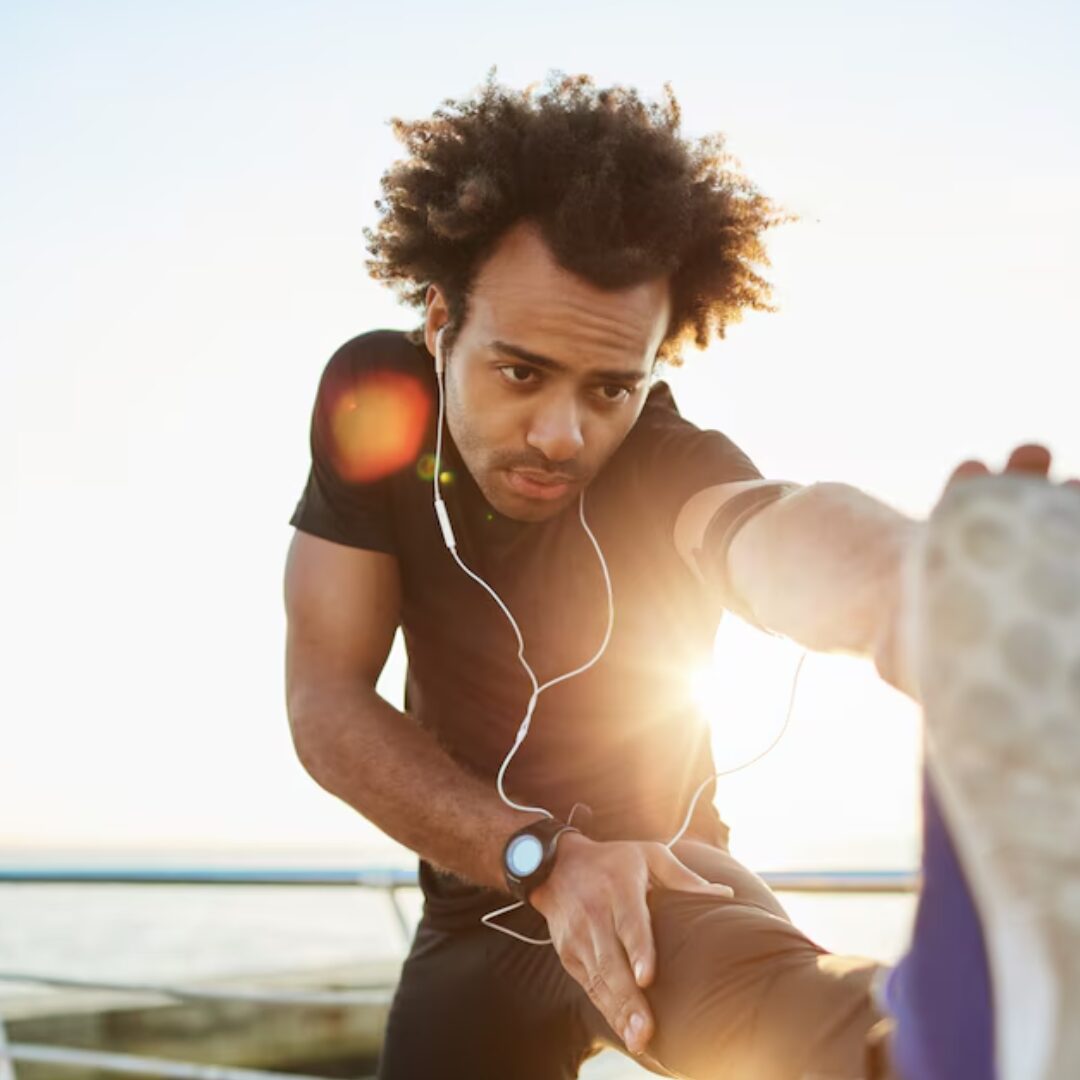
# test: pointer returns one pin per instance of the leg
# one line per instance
(740, 993)
(940, 991)
(473, 1003)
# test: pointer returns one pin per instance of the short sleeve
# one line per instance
(354, 510)
(676, 459)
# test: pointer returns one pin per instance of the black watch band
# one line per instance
(529, 855)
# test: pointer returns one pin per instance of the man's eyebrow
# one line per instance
(614, 374)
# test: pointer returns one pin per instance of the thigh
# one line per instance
(479, 1004)
(740, 992)
(720, 866)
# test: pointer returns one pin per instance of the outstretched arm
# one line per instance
(820, 564)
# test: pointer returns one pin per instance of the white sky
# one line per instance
(182, 198)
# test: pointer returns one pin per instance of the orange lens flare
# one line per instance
(377, 425)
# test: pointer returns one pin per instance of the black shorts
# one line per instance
(739, 992)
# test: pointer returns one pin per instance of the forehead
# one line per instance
(522, 296)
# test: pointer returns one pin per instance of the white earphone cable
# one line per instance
(746, 764)
(523, 730)
(537, 689)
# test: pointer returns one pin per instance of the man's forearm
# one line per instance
(822, 566)
(379, 761)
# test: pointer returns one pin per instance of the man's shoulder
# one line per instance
(374, 410)
(669, 458)
(660, 400)
(660, 422)
(380, 350)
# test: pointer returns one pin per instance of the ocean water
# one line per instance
(189, 932)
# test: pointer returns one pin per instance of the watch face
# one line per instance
(524, 855)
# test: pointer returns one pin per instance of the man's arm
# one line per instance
(342, 605)
(820, 565)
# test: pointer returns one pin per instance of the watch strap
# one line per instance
(547, 831)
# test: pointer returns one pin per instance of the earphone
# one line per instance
(447, 530)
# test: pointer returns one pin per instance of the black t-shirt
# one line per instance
(624, 737)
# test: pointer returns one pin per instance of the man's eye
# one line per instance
(518, 374)
(614, 394)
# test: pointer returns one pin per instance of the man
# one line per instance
(559, 247)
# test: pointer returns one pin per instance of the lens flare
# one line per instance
(377, 424)
(425, 468)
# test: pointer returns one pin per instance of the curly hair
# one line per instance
(618, 195)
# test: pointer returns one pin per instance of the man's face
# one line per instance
(547, 375)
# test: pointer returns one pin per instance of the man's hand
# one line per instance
(893, 668)
(1029, 458)
(594, 904)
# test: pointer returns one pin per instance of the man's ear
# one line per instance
(438, 315)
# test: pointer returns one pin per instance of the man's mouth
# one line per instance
(538, 485)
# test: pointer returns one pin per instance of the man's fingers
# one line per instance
(1031, 458)
(613, 991)
(667, 870)
(633, 924)
(602, 927)
(966, 469)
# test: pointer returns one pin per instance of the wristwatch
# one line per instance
(529, 855)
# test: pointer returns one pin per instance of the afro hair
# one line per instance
(618, 194)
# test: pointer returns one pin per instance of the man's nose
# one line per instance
(555, 430)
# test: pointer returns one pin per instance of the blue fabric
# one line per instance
(940, 993)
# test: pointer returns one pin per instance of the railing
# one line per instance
(390, 880)
(393, 879)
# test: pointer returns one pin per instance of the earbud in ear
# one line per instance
(440, 361)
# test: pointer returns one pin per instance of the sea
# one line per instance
(190, 933)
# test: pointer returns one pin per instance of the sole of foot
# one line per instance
(993, 639)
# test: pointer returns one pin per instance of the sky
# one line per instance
(182, 201)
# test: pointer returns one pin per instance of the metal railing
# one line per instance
(393, 879)
(388, 879)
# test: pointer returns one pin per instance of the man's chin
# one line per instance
(528, 510)
(519, 507)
